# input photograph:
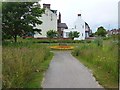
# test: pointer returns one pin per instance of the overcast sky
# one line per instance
(95, 12)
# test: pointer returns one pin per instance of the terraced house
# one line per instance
(49, 19)
(51, 22)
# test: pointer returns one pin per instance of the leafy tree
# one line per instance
(52, 34)
(19, 18)
(101, 31)
(73, 35)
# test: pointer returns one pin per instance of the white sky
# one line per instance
(95, 12)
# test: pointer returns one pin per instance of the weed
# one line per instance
(22, 63)
(102, 60)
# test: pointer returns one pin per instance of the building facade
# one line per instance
(80, 26)
(113, 32)
(50, 22)
(61, 26)
(88, 31)
(49, 19)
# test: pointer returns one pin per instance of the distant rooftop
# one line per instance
(62, 25)
(54, 11)
(48, 6)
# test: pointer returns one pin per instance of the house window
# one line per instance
(46, 13)
(51, 17)
(75, 26)
(82, 26)
(67, 34)
(82, 34)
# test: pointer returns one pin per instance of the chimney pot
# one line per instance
(79, 14)
(46, 6)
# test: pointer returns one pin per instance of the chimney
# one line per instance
(59, 17)
(46, 6)
(79, 15)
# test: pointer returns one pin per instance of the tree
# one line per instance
(101, 31)
(19, 18)
(52, 34)
(73, 35)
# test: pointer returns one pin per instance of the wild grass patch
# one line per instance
(102, 60)
(23, 64)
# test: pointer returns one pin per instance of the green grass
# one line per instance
(52, 41)
(103, 61)
(37, 81)
(0, 66)
(24, 64)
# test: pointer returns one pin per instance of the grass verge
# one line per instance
(37, 81)
(103, 61)
(24, 64)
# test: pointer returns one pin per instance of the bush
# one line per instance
(88, 41)
(61, 41)
(106, 38)
(82, 41)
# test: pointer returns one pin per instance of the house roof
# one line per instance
(48, 7)
(87, 24)
(62, 25)
(87, 28)
(54, 11)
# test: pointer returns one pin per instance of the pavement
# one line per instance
(65, 71)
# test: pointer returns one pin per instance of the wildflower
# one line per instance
(62, 47)
(37, 70)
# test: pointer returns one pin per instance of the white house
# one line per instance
(80, 26)
(49, 19)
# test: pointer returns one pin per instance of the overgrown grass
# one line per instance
(0, 66)
(102, 60)
(24, 64)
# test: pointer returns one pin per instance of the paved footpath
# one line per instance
(65, 71)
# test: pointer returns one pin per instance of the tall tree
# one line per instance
(73, 35)
(19, 18)
(101, 31)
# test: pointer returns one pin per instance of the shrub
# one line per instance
(52, 34)
(88, 41)
(106, 38)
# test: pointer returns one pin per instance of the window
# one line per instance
(82, 26)
(51, 17)
(67, 34)
(82, 34)
(75, 26)
(46, 13)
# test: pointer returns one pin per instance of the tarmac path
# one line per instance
(65, 71)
